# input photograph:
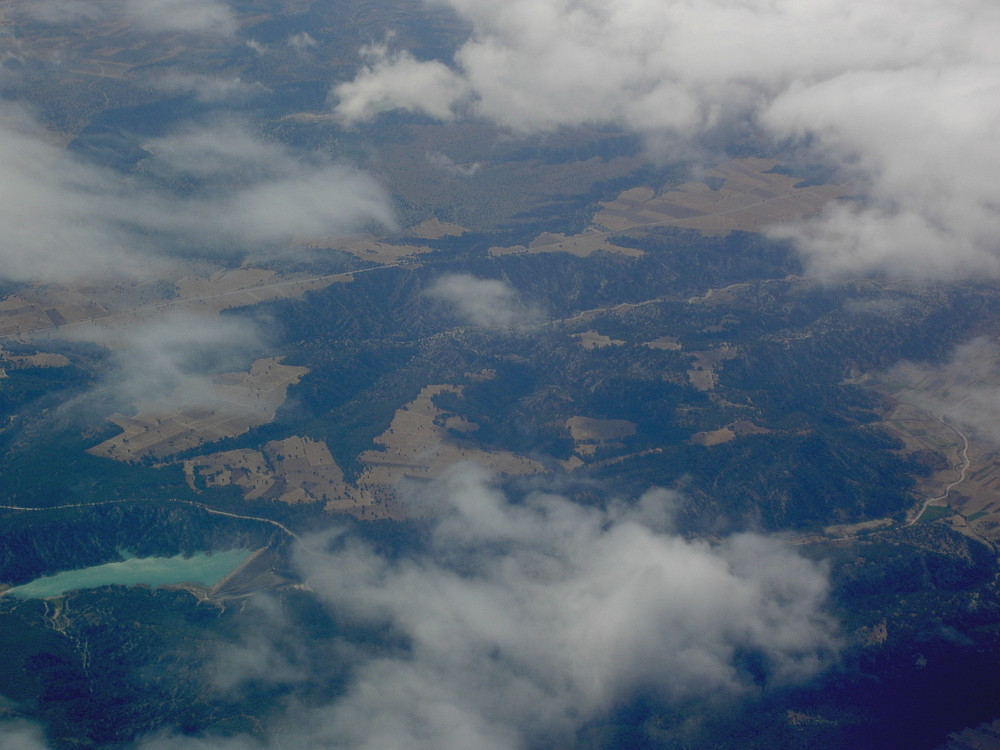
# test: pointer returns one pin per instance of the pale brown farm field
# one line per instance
(419, 445)
(379, 249)
(590, 434)
(665, 343)
(293, 470)
(435, 229)
(42, 310)
(751, 198)
(39, 359)
(702, 373)
(581, 245)
(730, 432)
(239, 401)
(713, 437)
(595, 340)
(583, 429)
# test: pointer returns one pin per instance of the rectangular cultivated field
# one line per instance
(293, 470)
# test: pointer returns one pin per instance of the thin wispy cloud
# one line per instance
(446, 164)
(68, 219)
(21, 736)
(489, 303)
(209, 89)
(165, 364)
(964, 391)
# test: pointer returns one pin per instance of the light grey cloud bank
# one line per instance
(67, 219)
(905, 96)
(526, 621)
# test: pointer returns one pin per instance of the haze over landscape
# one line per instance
(535, 374)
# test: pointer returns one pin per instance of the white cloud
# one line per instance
(59, 214)
(490, 303)
(301, 41)
(906, 95)
(65, 11)
(447, 164)
(272, 195)
(271, 651)
(526, 621)
(169, 361)
(923, 137)
(398, 81)
(209, 88)
(199, 16)
(67, 219)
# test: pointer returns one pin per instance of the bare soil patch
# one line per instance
(666, 343)
(727, 433)
(419, 445)
(702, 373)
(294, 470)
(373, 249)
(595, 340)
(581, 245)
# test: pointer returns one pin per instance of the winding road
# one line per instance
(963, 469)
(964, 454)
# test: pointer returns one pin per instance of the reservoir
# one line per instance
(203, 568)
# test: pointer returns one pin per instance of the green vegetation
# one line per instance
(935, 512)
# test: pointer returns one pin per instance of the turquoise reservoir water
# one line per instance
(203, 568)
